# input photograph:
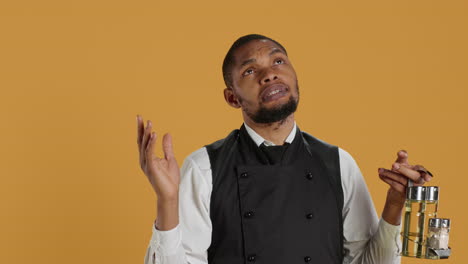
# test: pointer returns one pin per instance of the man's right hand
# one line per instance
(163, 173)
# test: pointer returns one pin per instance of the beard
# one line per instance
(270, 115)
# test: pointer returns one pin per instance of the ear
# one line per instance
(231, 98)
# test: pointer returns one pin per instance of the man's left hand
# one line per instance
(402, 171)
(397, 178)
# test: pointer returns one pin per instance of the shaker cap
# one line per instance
(435, 222)
(446, 222)
(432, 193)
(417, 193)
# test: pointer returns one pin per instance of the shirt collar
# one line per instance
(259, 139)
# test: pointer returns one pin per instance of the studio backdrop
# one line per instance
(374, 77)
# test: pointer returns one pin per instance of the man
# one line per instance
(268, 192)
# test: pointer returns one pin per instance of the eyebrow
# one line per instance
(248, 61)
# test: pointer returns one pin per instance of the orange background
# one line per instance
(375, 77)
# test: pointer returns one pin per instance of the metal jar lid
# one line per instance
(435, 222)
(416, 193)
(446, 222)
(432, 193)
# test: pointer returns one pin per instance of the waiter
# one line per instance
(269, 192)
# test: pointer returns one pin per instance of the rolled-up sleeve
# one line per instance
(188, 242)
(367, 239)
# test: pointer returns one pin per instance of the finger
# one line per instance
(149, 152)
(420, 182)
(408, 172)
(394, 184)
(140, 130)
(402, 157)
(393, 176)
(146, 136)
(427, 175)
(396, 164)
(167, 147)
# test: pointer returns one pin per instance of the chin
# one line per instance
(269, 113)
(278, 102)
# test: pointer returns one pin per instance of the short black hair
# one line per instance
(229, 60)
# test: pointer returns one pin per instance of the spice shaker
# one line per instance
(437, 238)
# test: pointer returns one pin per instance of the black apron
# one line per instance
(283, 213)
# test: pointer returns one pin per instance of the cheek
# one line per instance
(246, 96)
(290, 73)
(246, 86)
(246, 82)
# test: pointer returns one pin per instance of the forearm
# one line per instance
(384, 244)
(392, 214)
(383, 247)
(393, 207)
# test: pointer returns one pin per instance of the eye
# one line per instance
(247, 72)
(279, 61)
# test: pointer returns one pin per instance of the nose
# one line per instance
(268, 76)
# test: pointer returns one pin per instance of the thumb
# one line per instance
(402, 157)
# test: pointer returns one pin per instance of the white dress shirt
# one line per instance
(366, 238)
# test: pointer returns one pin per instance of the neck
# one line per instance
(276, 132)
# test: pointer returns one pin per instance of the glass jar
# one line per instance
(421, 204)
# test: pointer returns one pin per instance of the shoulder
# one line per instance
(345, 158)
(198, 158)
(316, 141)
(217, 145)
(327, 152)
(349, 169)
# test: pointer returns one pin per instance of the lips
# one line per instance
(273, 92)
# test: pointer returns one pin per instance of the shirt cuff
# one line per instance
(389, 226)
(166, 242)
(389, 235)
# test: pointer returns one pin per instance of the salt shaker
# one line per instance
(444, 234)
(437, 238)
